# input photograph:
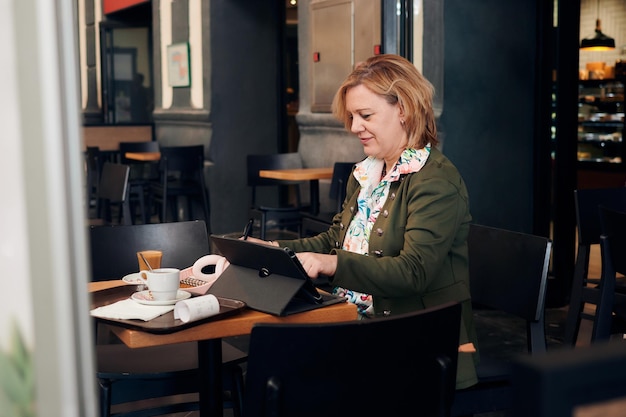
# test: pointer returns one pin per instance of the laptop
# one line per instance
(266, 278)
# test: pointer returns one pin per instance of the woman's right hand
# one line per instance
(316, 264)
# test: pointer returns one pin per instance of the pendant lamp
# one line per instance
(599, 42)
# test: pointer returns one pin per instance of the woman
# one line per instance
(400, 243)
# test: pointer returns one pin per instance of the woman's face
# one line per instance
(376, 123)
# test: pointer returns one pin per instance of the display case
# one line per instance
(601, 124)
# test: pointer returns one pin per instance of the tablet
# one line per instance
(267, 260)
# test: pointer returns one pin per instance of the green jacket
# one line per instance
(418, 249)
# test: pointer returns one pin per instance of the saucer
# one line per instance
(134, 279)
(144, 297)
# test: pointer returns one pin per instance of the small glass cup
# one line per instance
(153, 257)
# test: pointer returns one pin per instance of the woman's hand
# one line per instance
(316, 264)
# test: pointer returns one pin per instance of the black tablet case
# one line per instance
(265, 277)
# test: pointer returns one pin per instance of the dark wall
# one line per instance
(499, 60)
(489, 114)
(245, 104)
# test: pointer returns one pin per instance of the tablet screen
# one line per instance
(267, 260)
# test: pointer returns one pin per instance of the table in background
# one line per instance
(313, 175)
(208, 335)
(153, 157)
(143, 156)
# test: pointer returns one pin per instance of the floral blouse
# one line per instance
(372, 197)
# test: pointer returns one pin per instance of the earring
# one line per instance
(402, 122)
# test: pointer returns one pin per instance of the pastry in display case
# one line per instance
(600, 121)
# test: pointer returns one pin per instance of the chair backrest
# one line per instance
(93, 170)
(183, 159)
(587, 202)
(256, 163)
(584, 290)
(613, 227)
(376, 367)
(559, 383)
(613, 250)
(114, 182)
(509, 272)
(341, 173)
(114, 248)
(93, 162)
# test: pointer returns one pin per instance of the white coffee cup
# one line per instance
(163, 283)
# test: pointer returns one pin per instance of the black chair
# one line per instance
(408, 363)
(141, 174)
(508, 275)
(181, 174)
(561, 382)
(315, 224)
(587, 202)
(281, 217)
(125, 374)
(114, 248)
(113, 193)
(610, 313)
(93, 170)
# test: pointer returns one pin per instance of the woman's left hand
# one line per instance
(316, 264)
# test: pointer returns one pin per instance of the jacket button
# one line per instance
(337, 245)
(392, 196)
(378, 253)
(386, 313)
(352, 209)
(341, 226)
(379, 231)
(386, 213)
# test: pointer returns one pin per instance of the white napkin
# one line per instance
(129, 309)
(197, 308)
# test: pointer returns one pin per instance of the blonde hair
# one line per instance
(398, 81)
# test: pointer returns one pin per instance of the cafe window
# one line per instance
(414, 29)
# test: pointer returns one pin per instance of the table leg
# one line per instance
(315, 196)
(210, 366)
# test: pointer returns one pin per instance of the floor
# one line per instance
(506, 334)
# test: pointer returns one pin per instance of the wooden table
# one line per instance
(313, 175)
(143, 156)
(209, 335)
(152, 157)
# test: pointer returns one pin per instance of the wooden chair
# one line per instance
(141, 174)
(610, 314)
(281, 217)
(381, 367)
(125, 374)
(315, 224)
(587, 203)
(508, 274)
(181, 174)
(113, 192)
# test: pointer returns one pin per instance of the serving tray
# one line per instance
(165, 323)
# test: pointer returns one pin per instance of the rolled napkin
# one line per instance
(197, 282)
(130, 309)
(196, 308)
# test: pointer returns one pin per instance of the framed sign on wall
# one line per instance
(178, 65)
